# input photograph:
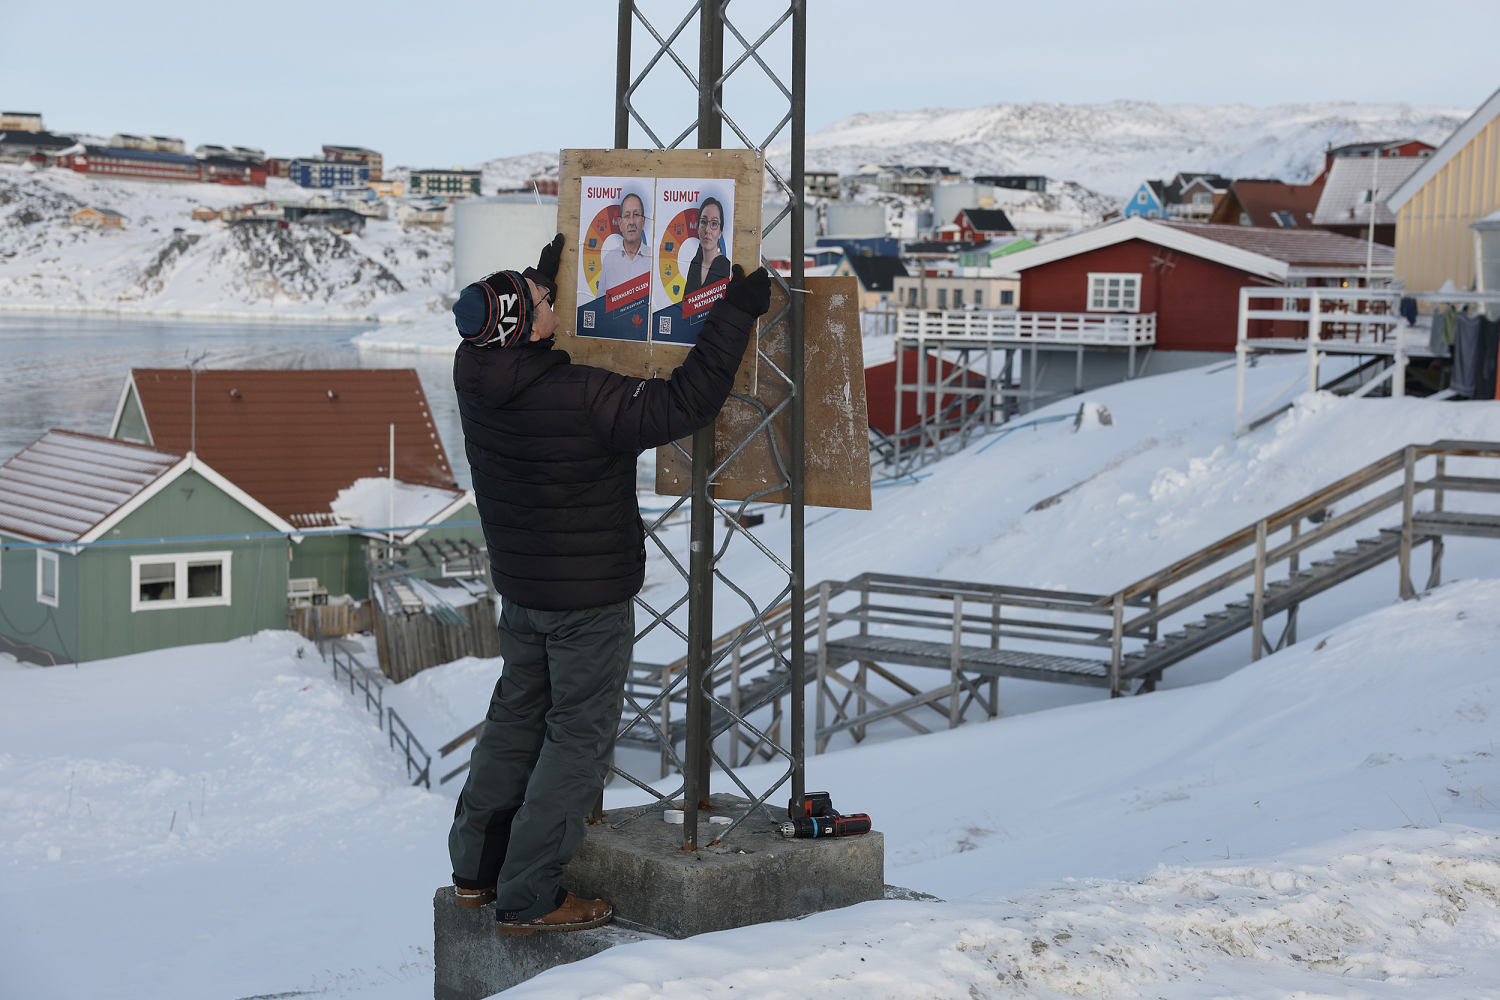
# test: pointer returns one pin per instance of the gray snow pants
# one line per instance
(541, 757)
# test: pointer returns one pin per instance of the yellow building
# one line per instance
(1438, 205)
(98, 218)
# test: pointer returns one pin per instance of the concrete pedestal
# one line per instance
(660, 890)
(753, 877)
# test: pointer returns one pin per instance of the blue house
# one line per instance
(1149, 201)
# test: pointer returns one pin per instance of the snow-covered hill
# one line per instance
(227, 821)
(164, 260)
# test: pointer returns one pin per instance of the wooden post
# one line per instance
(956, 661)
(822, 741)
(1116, 654)
(1408, 491)
(1292, 566)
(1258, 598)
(1435, 573)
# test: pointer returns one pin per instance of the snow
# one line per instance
(227, 821)
(376, 502)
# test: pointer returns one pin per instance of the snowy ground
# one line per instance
(224, 821)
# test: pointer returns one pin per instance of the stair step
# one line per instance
(1217, 616)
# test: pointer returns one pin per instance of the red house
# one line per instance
(977, 225)
(1188, 274)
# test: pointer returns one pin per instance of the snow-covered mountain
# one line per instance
(1093, 154)
(1112, 147)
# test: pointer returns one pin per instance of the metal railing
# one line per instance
(1010, 325)
(363, 680)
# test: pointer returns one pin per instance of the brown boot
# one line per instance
(573, 914)
(472, 899)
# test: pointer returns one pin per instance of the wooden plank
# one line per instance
(986, 662)
(836, 461)
(1457, 523)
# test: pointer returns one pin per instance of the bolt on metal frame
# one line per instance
(703, 704)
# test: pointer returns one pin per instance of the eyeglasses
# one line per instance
(543, 299)
(708, 222)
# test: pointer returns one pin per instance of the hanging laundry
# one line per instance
(1466, 357)
(1489, 345)
(1444, 325)
(1408, 310)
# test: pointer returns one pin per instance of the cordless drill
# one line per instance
(819, 819)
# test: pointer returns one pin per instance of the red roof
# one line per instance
(294, 439)
(1260, 199)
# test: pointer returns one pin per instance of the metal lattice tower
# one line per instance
(756, 65)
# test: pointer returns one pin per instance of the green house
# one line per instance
(344, 456)
(109, 547)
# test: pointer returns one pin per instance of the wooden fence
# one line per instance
(409, 642)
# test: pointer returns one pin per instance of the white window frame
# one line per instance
(180, 562)
(1098, 287)
(44, 559)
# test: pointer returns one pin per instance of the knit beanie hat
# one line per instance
(494, 311)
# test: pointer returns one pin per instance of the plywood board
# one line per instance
(836, 463)
(652, 353)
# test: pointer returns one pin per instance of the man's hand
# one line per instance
(551, 258)
(752, 293)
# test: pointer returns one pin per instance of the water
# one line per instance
(66, 372)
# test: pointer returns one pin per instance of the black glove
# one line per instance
(551, 258)
(545, 272)
(752, 293)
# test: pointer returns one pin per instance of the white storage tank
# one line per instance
(776, 244)
(855, 219)
(502, 232)
(950, 199)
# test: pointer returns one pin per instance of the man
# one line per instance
(632, 258)
(552, 447)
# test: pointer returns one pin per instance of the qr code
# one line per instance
(664, 326)
(588, 319)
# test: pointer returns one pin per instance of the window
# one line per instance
(46, 577)
(1114, 293)
(1245, 218)
(1284, 219)
(1140, 197)
(1007, 297)
(1203, 198)
(942, 298)
(978, 297)
(185, 580)
(958, 298)
(911, 297)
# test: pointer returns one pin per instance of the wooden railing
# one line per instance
(1270, 548)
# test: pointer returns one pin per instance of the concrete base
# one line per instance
(472, 961)
(753, 877)
(660, 890)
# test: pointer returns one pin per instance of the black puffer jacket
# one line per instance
(553, 445)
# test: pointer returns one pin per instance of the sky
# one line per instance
(482, 80)
(227, 821)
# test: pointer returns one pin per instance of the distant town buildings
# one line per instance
(20, 121)
(443, 183)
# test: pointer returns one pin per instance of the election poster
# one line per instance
(615, 258)
(651, 237)
(694, 232)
